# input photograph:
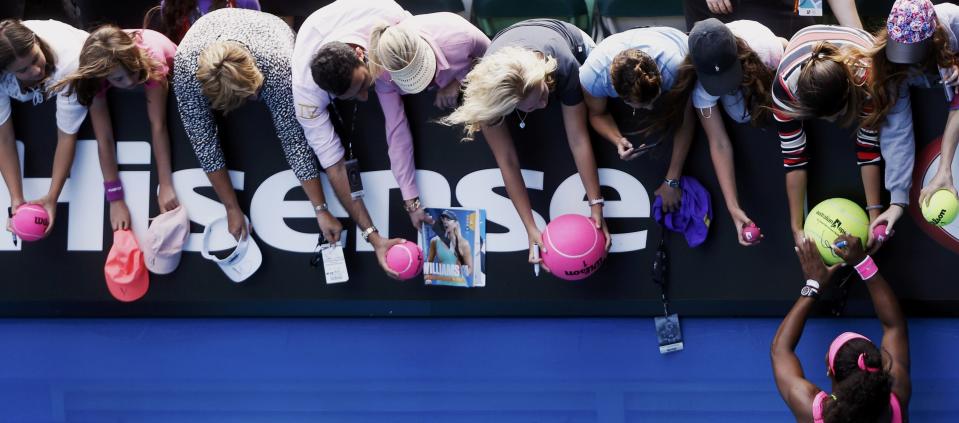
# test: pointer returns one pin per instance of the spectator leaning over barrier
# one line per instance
(35, 55)
(126, 59)
(917, 41)
(433, 51)
(330, 61)
(174, 17)
(818, 77)
(528, 65)
(869, 383)
(228, 57)
(735, 64)
(646, 69)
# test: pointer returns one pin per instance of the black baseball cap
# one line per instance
(712, 47)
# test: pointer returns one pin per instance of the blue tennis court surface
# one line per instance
(427, 370)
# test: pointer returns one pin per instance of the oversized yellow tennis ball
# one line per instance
(832, 218)
(942, 208)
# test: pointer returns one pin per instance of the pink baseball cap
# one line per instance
(126, 275)
(163, 243)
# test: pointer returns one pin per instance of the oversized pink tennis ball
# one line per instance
(30, 222)
(751, 233)
(573, 247)
(879, 232)
(405, 259)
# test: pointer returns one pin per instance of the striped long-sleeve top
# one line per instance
(895, 136)
(270, 41)
(792, 137)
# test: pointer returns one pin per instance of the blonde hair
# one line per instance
(497, 83)
(228, 75)
(104, 50)
(391, 48)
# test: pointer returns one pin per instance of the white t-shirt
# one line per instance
(65, 42)
(761, 40)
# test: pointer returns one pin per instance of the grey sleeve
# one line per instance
(898, 146)
(196, 115)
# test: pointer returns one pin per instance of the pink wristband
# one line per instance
(113, 190)
(867, 268)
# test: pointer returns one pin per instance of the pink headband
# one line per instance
(838, 343)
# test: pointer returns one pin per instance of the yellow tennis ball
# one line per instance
(832, 218)
(942, 208)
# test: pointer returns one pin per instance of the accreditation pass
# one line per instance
(334, 265)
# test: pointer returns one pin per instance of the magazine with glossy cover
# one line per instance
(454, 247)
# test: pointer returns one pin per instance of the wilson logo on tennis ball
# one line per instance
(942, 214)
(935, 221)
(586, 270)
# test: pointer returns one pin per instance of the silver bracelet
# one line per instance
(874, 207)
(321, 208)
(599, 201)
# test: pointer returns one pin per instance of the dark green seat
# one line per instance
(610, 12)
(491, 16)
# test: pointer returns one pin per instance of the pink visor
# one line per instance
(838, 343)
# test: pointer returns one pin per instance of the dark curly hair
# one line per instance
(637, 79)
(332, 67)
(860, 395)
(635, 76)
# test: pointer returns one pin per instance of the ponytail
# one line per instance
(830, 83)
(862, 385)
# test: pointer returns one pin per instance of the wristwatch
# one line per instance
(321, 208)
(810, 290)
(412, 206)
(672, 183)
(367, 232)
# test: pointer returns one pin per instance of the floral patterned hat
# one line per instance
(911, 25)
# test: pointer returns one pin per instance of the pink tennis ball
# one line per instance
(405, 259)
(30, 222)
(573, 247)
(751, 233)
(879, 232)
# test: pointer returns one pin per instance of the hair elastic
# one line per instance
(863, 366)
(837, 344)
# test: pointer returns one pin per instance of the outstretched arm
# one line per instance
(846, 13)
(787, 370)
(947, 153)
(721, 152)
(895, 337)
(574, 119)
(10, 164)
(501, 143)
(682, 140)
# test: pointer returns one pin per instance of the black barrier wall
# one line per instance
(63, 275)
